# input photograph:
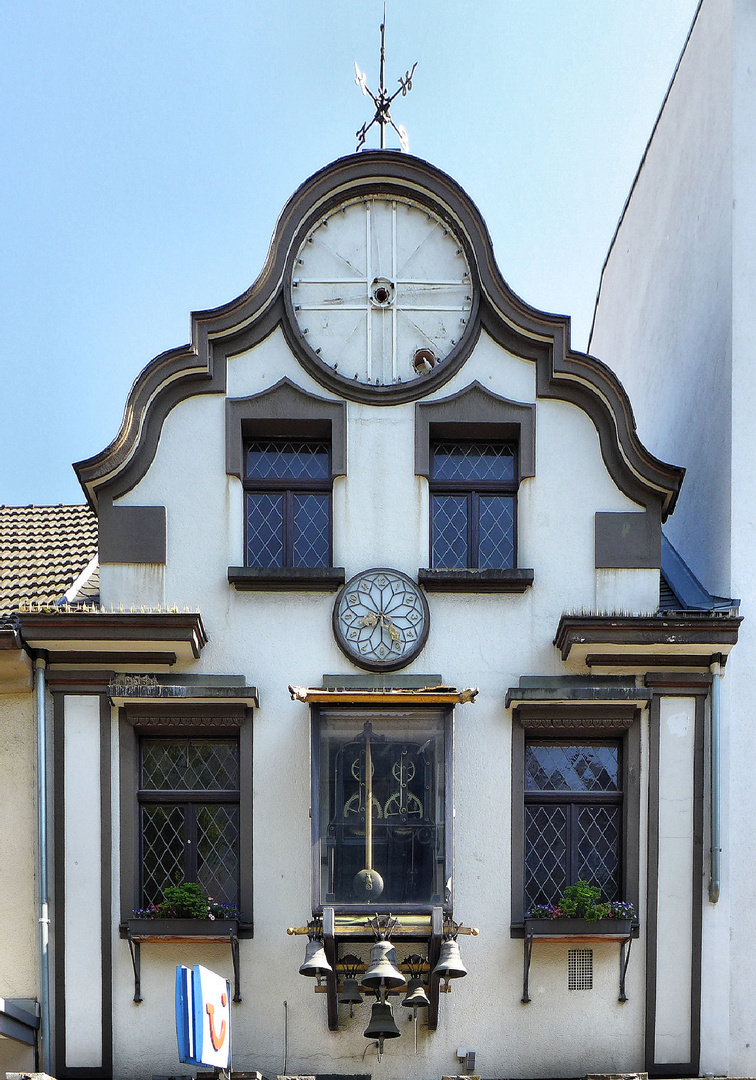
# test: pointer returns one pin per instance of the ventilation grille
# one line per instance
(580, 969)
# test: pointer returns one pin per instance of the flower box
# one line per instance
(179, 929)
(582, 929)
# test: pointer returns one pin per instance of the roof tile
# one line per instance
(43, 549)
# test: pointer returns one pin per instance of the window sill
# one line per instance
(501, 581)
(286, 579)
(576, 929)
(183, 929)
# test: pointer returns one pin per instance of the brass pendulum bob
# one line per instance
(382, 1025)
(450, 964)
(315, 964)
(368, 883)
(383, 972)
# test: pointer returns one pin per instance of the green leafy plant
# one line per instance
(186, 900)
(582, 901)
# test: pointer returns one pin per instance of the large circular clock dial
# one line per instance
(381, 619)
(381, 290)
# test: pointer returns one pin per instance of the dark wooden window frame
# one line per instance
(472, 490)
(289, 487)
(182, 721)
(574, 800)
(570, 724)
(392, 716)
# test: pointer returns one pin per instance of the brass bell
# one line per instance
(383, 971)
(450, 964)
(315, 964)
(350, 995)
(382, 1025)
(416, 997)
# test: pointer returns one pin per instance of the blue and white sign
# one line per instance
(203, 1017)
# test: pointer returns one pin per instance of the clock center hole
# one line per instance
(382, 292)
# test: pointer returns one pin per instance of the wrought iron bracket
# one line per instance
(234, 941)
(135, 949)
(624, 961)
(136, 963)
(527, 956)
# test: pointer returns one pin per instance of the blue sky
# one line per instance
(147, 147)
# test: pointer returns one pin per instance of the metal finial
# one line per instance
(382, 100)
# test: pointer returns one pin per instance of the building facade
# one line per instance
(388, 642)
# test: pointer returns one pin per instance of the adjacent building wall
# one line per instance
(674, 318)
(664, 314)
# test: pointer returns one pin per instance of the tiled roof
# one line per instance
(43, 549)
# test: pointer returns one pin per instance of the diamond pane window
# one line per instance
(265, 538)
(189, 816)
(449, 531)
(573, 818)
(279, 460)
(468, 462)
(473, 520)
(288, 504)
(312, 530)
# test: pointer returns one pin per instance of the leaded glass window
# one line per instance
(473, 490)
(189, 816)
(573, 817)
(287, 503)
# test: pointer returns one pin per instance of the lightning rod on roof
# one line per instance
(382, 100)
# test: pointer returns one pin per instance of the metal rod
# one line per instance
(369, 801)
(44, 911)
(286, 1037)
(716, 838)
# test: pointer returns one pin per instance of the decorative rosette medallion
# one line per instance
(381, 619)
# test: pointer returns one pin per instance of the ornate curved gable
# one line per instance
(351, 188)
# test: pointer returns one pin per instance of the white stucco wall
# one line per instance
(82, 921)
(486, 640)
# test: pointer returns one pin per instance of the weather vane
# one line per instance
(383, 100)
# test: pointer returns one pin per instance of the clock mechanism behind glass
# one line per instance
(384, 839)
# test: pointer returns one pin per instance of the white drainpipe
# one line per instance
(44, 916)
(716, 838)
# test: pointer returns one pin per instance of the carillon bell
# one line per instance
(416, 997)
(350, 995)
(450, 964)
(382, 1025)
(383, 971)
(315, 964)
